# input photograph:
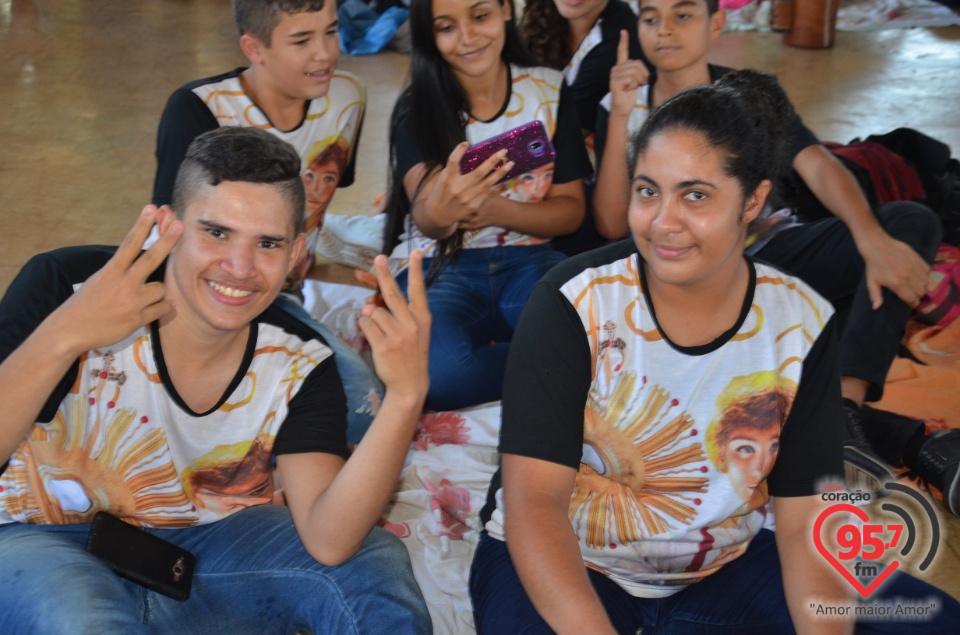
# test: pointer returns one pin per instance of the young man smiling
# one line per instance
(157, 385)
(293, 90)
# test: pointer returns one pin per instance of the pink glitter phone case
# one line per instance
(528, 146)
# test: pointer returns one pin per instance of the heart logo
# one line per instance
(862, 515)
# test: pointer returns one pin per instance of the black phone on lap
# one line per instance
(141, 557)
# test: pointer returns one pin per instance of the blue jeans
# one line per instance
(475, 303)
(252, 576)
(744, 597)
(363, 389)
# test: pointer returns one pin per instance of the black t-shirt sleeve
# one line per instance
(317, 417)
(797, 137)
(45, 283)
(593, 78)
(573, 162)
(600, 138)
(184, 118)
(811, 442)
(547, 380)
(408, 153)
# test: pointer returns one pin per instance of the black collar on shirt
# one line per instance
(157, 276)
(721, 339)
(716, 72)
(303, 117)
(506, 101)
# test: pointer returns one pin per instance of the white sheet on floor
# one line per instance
(443, 485)
(854, 15)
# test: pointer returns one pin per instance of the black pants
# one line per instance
(823, 255)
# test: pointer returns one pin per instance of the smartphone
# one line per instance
(140, 557)
(528, 146)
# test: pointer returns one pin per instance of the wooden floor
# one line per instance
(82, 85)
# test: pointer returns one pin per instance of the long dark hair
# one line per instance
(546, 33)
(431, 108)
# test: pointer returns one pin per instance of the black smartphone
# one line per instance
(528, 146)
(140, 557)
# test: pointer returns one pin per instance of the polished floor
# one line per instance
(83, 82)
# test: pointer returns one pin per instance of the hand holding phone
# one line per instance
(528, 146)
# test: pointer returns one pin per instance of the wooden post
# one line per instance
(814, 24)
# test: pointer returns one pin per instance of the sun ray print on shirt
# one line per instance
(121, 464)
(642, 476)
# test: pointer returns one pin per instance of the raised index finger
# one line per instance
(623, 48)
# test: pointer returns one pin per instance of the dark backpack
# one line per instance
(939, 174)
(892, 178)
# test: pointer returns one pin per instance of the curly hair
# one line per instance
(545, 33)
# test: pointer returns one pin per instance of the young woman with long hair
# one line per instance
(471, 79)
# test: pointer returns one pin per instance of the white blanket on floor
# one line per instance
(853, 15)
(443, 485)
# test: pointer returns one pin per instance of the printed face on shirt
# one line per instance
(237, 248)
(687, 216)
(532, 187)
(743, 441)
(676, 34)
(301, 58)
(749, 456)
(470, 35)
(320, 181)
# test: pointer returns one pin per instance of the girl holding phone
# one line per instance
(581, 38)
(470, 80)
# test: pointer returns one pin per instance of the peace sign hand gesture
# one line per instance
(117, 300)
(399, 331)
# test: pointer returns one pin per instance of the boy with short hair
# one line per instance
(293, 90)
(875, 267)
(157, 385)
